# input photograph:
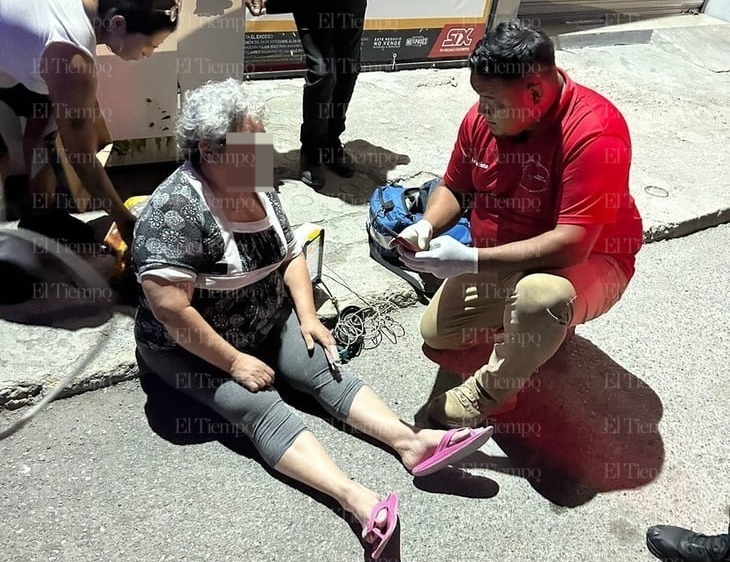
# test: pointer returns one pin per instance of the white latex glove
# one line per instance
(418, 234)
(445, 257)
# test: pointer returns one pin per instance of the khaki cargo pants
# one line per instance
(534, 309)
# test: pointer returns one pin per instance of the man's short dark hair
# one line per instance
(142, 16)
(513, 50)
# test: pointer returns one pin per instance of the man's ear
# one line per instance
(118, 25)
(535, 92)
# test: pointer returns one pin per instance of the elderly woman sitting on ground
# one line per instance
(227, 316)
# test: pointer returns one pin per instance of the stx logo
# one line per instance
(456, 40)
(458, 37)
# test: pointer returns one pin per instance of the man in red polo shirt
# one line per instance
(543, 163)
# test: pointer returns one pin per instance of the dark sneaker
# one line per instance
(682, 545)
(312, 172)
(340, 162)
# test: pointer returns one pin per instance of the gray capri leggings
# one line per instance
(263, 416)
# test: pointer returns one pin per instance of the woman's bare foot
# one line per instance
(360, 501)
(423, 443)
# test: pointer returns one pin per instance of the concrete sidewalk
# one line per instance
(671, 86)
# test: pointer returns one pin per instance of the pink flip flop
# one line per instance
(390, 504)
(446, 453)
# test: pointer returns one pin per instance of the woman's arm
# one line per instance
(170, 303)
(71, 80)
(299, 285)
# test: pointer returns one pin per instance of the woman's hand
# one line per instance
(251, 372)
(314, 331)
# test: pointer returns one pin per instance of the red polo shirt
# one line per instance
(572, 169)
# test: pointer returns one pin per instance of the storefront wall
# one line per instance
(407, 31)
(560, 16)
(139, 99)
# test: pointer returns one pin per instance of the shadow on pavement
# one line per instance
(372, 164)
(65, 312)
(455, 482)
(183, 421)
(583, 425)
(140, 179)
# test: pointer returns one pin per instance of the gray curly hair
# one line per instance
(212, 110)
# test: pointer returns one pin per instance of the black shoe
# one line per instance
(312, 172)
(339, 161)
(682, 545)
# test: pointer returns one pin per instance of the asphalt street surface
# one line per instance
(625, 428)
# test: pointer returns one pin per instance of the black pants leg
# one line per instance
(330, 32)
(347, 43)
(315, 32)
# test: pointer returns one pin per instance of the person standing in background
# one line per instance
(331, 34)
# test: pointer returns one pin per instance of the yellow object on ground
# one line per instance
(112, 238)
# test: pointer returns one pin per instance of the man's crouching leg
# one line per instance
(537, 316)
(465, 311)
(536, 319)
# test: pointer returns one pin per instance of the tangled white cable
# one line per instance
(379, 319)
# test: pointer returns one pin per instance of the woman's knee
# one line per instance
(341, 394)
(262, 416)
(272, 429)
(544, 295)
(335, 392)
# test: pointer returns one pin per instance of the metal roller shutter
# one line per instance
(567, 15)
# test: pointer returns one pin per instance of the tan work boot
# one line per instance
(466, 406)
